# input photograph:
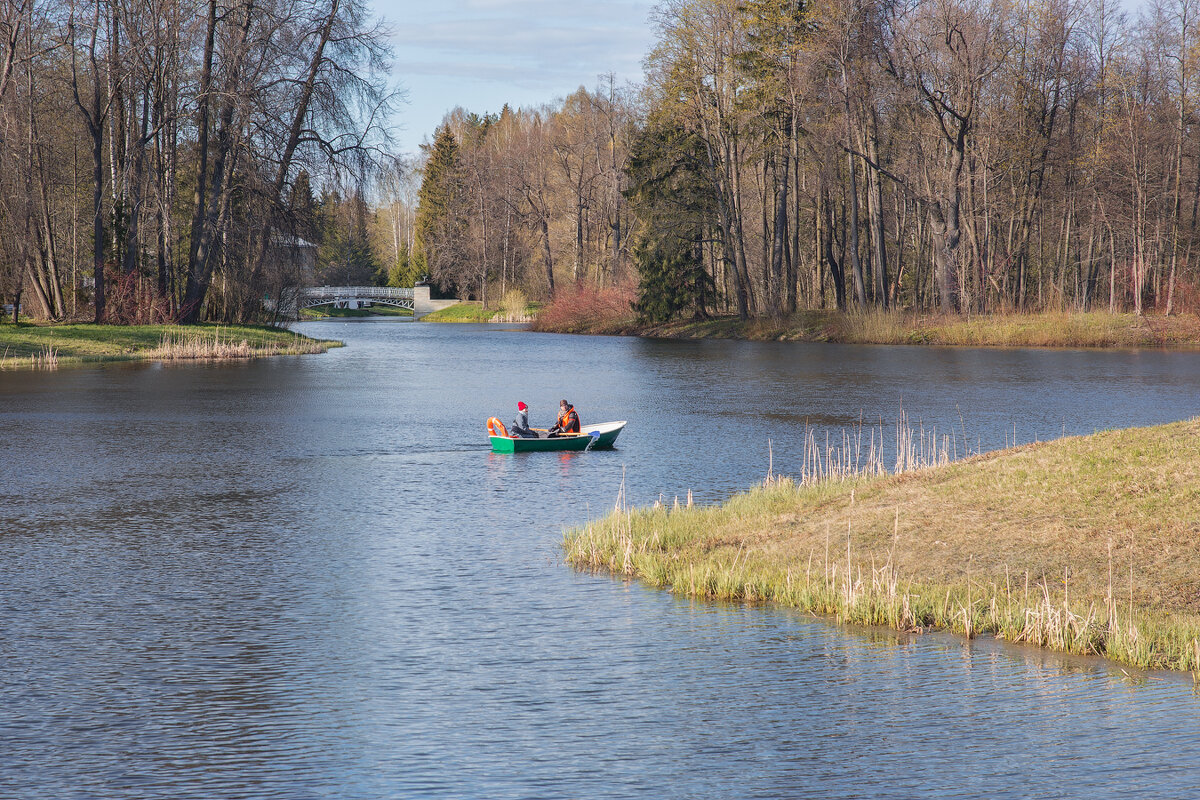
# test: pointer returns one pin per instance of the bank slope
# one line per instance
(1050, 329)
(1085, 544)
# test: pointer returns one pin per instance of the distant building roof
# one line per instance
(287, 240)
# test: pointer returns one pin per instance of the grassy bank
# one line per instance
(59, 345)
(460, 312)
(1085, 545)
(997, 330)
(475, 312)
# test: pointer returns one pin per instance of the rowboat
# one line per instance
(590, 437)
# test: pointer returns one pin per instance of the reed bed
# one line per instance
(974, 547)
(511, 318)
(514, 308)
(858, 452)
(220, 345)
(46, 357)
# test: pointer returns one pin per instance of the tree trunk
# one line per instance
(547, 261)
(875, 216)
(779, 238)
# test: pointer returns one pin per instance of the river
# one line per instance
(309, 577)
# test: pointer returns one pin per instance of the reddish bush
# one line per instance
(588, 309)
(131, 300)
(1187, 297)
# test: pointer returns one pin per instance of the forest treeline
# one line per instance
(951, 155)
(157, 154)
(186, 161)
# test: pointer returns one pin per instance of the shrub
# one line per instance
(589, 309)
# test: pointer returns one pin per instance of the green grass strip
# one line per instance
(461, 312)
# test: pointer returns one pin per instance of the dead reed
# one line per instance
(46, 357)
(218, 345)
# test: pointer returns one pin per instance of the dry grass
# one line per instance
(45, 357)
(1086, 544)
(514, 308)
(219, 345)
(1051, 329)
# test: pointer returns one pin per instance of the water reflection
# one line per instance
(308, 577)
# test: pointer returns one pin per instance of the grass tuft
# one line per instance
(514, 308)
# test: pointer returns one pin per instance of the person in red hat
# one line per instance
(520, 426)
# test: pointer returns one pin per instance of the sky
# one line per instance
(481, 54)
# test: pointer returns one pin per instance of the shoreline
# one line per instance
(1090, 330)
(29, 346)
(1084, 545)
(474, 312)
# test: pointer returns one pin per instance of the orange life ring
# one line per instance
(496, 427)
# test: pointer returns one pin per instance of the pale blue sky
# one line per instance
(481, 54)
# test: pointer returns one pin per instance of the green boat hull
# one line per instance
(607, 435)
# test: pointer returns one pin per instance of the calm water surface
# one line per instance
(308, 577)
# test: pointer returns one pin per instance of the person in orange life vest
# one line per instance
(568, 420)
(520, 426)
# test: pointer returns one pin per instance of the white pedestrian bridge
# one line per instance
(358, 296)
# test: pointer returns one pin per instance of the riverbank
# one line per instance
(476, 312)
(1093, 329)
(49, 346)
(1085, 545)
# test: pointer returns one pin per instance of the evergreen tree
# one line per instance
(440, 222)
(406, 271)
(302, 207)
(673, 279)
(345, 256)
(674, 207)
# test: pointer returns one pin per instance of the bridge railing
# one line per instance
(362, 292)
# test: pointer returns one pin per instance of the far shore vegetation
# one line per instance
(609, 312)
(773, 177)
(49, 346)
(1083, 545)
